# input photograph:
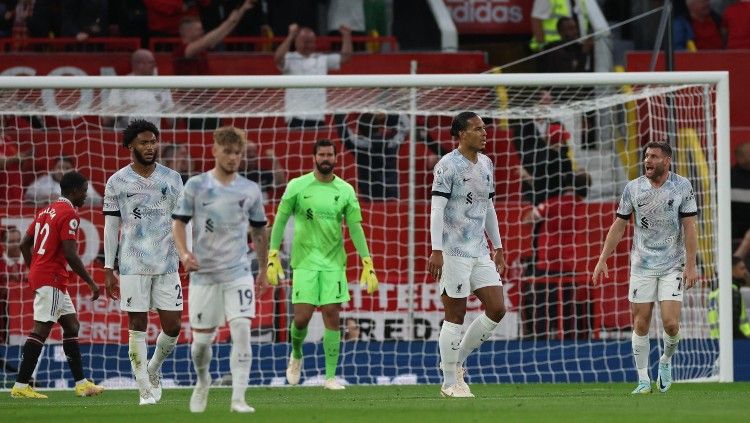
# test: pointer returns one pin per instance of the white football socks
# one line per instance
(201, 352)
(670, 346)
(449, 343)
(164, 346)
(479, 330)
(138, 354)
(240, 357)
(641, 350)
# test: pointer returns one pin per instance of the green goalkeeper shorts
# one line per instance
(319, 287)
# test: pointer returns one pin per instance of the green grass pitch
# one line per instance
(685, 402)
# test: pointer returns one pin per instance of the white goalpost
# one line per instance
(546, 132)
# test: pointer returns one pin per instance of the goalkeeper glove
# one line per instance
(368, 279)
(274, 271)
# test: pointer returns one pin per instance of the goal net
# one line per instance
(563, 150)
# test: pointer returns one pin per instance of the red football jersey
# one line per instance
(53, 225)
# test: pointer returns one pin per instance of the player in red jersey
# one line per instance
(50, 244)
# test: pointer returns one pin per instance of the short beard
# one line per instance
(656, 174)
(319, 166)
(141, 160)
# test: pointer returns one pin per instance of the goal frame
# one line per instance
(719, 78)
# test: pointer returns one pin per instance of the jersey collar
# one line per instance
(63, 199)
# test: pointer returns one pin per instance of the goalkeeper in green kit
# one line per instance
(319, 202)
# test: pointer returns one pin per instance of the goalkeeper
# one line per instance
(319, 201)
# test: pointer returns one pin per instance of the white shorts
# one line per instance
(212, 305)
(51, 303)
(141, 293)
(464, 275)
(648, 289)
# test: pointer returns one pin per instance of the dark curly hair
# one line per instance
(134, 128)
(71, 181)
(461, 122)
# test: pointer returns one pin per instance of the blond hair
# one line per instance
(230, 136)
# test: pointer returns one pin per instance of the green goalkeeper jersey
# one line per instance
(319, 209)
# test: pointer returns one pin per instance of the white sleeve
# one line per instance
(111, 240)
(541, 9)
(436, 221)
(402, 130)
(333, 61)
(492, 227)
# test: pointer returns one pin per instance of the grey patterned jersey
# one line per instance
(145, 206)
(469, 188)
(658, 242)
(221, 215)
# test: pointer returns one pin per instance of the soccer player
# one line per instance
(223, 206)
(50, 244)
(319, 202)
(662, 259)
(462, 212)
(139, 200)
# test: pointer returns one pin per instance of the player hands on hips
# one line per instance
(222, 206)
(461, 262)
(319, 202)
(49, 245)
(662, 258)
(139, 200)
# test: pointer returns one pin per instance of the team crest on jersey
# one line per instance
(242, 203)
(73, 224)
(670, 204)
(163, 193)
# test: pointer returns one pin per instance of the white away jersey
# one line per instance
(145, 208)
(658, 244)
(469, 188)
(221, 215)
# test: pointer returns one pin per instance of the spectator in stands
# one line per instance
(304, 106)
(351, 329)
(376, 142)
(699, 25)
(554, 241)
(544, 17)
(736, 25)
(141, 103)
(740, 323)
(46, 188)
(542, 146)
(740, 183)
(266, 171)
(575, 57)
(12, 270)
(191, 57)
(177, 158)
(84, 18)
